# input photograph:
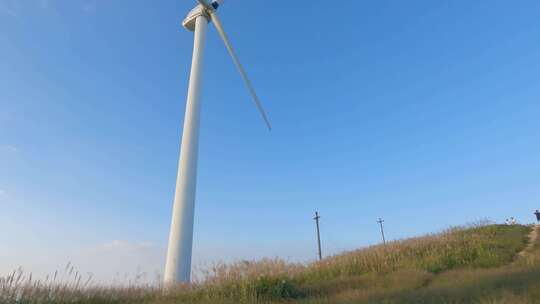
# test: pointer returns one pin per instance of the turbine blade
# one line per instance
(240, 68)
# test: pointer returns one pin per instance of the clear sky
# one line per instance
(425, 113)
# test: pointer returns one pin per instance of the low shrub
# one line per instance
(268, 288)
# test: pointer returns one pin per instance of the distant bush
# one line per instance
(267, 288)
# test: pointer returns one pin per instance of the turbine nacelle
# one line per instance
(201, 9)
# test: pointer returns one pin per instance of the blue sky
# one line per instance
(422, 112)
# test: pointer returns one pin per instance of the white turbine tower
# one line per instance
(178, 264)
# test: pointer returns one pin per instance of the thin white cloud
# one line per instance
(9, 148)
(14, 8)
(8, 10)
(89, 6)
(11, 12)
(45, 3)
(119, 261)
(121, 245)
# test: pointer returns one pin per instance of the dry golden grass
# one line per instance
(461, 265)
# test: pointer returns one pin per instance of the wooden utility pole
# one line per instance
(316, 218)
(381, 221)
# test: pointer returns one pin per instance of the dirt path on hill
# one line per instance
(533, 236)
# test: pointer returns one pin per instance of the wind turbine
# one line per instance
(178, 264)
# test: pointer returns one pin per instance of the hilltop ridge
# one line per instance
(477, 264)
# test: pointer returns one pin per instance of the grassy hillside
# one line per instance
(469, 265)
